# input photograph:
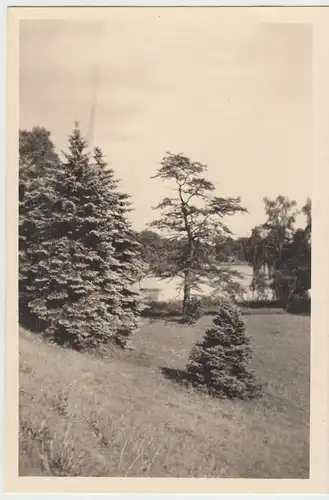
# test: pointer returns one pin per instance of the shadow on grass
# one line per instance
(261, 311)
(180, 377)
(162, 314)
(164, 319)
(167, 317)
(261, 303)
(179, 320)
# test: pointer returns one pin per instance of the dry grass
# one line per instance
(119, 416)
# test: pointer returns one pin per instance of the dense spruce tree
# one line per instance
(37, 157)
(127, 250)
(218, 363)
(84, 259)
(38, 163)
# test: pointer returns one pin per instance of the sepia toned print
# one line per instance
(165, 227)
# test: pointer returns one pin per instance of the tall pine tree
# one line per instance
(84, 261)
(194, 218)
(38, 163)
(127, 250)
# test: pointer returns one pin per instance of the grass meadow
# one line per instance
(126, 415)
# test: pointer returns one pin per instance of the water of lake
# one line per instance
(168, 290)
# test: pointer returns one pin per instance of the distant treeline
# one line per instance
(278, 252)
(157, 250)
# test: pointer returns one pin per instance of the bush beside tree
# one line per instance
(193, 311)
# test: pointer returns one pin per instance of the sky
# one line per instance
(215, 84)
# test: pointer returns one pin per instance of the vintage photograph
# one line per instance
(165, 222)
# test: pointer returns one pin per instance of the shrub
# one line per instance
(162, 309)
(210, 304)
(193, 311)
(218, 363)
(299, 304)
(150, 294)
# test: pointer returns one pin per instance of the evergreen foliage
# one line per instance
(82, 254)
(38, 163)
(218, 363)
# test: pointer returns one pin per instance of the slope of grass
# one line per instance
(124, 415)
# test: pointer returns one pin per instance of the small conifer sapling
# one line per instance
(218, 363)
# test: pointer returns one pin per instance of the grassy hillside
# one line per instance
(125, 415)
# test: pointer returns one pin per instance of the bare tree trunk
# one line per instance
(187, 289)
(188, 271)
